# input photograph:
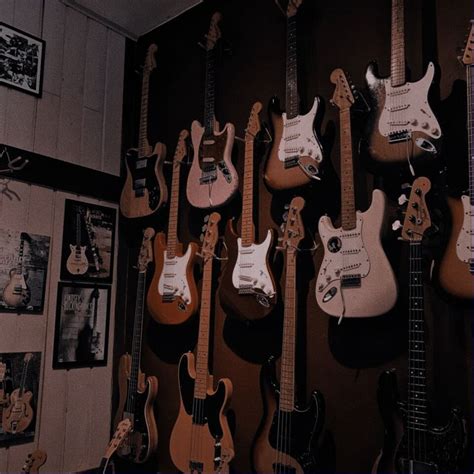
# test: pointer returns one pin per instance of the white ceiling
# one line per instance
(132, 18)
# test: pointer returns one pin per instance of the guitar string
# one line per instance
(470, 118)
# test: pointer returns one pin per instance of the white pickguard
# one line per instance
(250, 271)
(406, 108)
(465, 242)
(351, 259)
(173, 277)
(299, 138)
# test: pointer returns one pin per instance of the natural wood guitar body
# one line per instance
(16, 293)
(19, 415)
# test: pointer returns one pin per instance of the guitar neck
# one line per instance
(470, 128)
(172, 237)
(397, 66)
(78, 229)
(143, 130)
(348, 211)
(287, 377)
(292, 106)
(23, 378)
(209, 97)
(248, 229)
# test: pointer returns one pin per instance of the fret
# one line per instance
(348, 211)
(248, 229)
(397, 65)
(470, 122)
(292, 106)
(172, 237)
(143, 128)
(209, 102)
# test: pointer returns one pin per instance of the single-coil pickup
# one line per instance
(169, 275)
(245, 265)
(398, 108)
(398, 92)
(400, 123)
(292, 123)
(169, 287)
(350, 267)
(245, 251)
(170, 262)
(292, 137)
(246, 278)
(351, 235)
(351, 252)
(208, 142)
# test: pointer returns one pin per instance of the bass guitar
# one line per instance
(456, 272)
(34, 461)
(248, 289)
(412, 444)
(288, 435)
(145, 187)
(355, 278)
(18, 415)
(402, 125)
(121, 433)
(77, 263)
(172, 297)
(137, 393)
(16, 293)
(201, 441)
(212, 179)
(296, 152)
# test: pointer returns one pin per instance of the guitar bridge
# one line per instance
(351, 281)
(397, 137)
(291, 162)
(168, 297)
(209, 173)
(195, 467)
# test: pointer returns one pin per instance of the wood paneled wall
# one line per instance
(78, 118)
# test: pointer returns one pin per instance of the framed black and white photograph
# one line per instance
(88, 242)
(82, 325)
(19, 388)
(23, 268)
(21, 60)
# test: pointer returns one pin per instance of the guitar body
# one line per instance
(455, 274)
(16, 292)
(18, 416)
(212, 179)
(215, 440)
(172, 297)
(445, 445)
(145, 186)
(248, 288)
(296, 151)
(300, 454)
(367, 286)
(402, 124)
(77, 263)
(142, 440)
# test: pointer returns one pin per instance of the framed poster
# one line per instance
(23, 267)
(82, 325)
(19, 388)
(88, 242)
(21, 60)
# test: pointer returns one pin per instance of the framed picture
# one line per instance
(88, 242)
(23, 267)
(82, 325)
(19, 388)
(21, 60)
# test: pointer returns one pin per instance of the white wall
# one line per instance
(79, 117)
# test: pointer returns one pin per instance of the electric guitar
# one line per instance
(288, 435)
(355, 278)
(212, 179)
(4, 396)
(172, 297)
(248, 289)
(201, 441)
(402, 125)
(18, 415)
(137, 393)
(296, 151)
(92, 240)
(77, 263)
(123, 429)
(17, 293)
(412, 444)
(145, 187)
(34, 461)
(456, 272)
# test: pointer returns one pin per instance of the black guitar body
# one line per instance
(445, 446)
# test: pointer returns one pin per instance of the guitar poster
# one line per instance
(19, 388)
(88, 242)
(23, 268)
(82, 325)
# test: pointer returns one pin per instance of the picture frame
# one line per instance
(88, 242)
(24, 259)
(81, 335)
(21, 60)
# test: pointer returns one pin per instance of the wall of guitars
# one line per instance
(315, 257)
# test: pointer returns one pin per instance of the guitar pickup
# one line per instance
(397, 137)
(291, 162)
(139, 187)
(140, 164)
(351, 281)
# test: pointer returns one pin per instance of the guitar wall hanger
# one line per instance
(12, 164)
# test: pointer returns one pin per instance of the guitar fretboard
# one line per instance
(397, 69)
(143, 131)
(292, 106)
(19, 268)
(470, 129)
(248, 229)
(172, 237)
(209, 97)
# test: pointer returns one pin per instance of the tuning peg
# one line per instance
(402, 199)
(201, 237)
(282, 227)
(286, 206)
(406, 186)
(204, 228)
(206, 217)
(285, 216)
(396, 225)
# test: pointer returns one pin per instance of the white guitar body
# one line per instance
(465, 242)
(204, 189)
(77, 263)
(355, 278)
(173, 279)
(251, 271)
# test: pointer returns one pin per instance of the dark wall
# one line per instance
(342, 361)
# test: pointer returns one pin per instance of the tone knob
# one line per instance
(414, 122)
(435, 131)
(425, 125)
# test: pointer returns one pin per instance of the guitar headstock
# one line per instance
(34, 461)
(181, 148)
(214, 33)
(468, 52)
(343, 96)
(417, 217)
(293, 232)
(123, 428)
(95, 293)
(28, 357)
(292, 7)
(210, 237)
(150, 60)
(253, 125)
(146, 252)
